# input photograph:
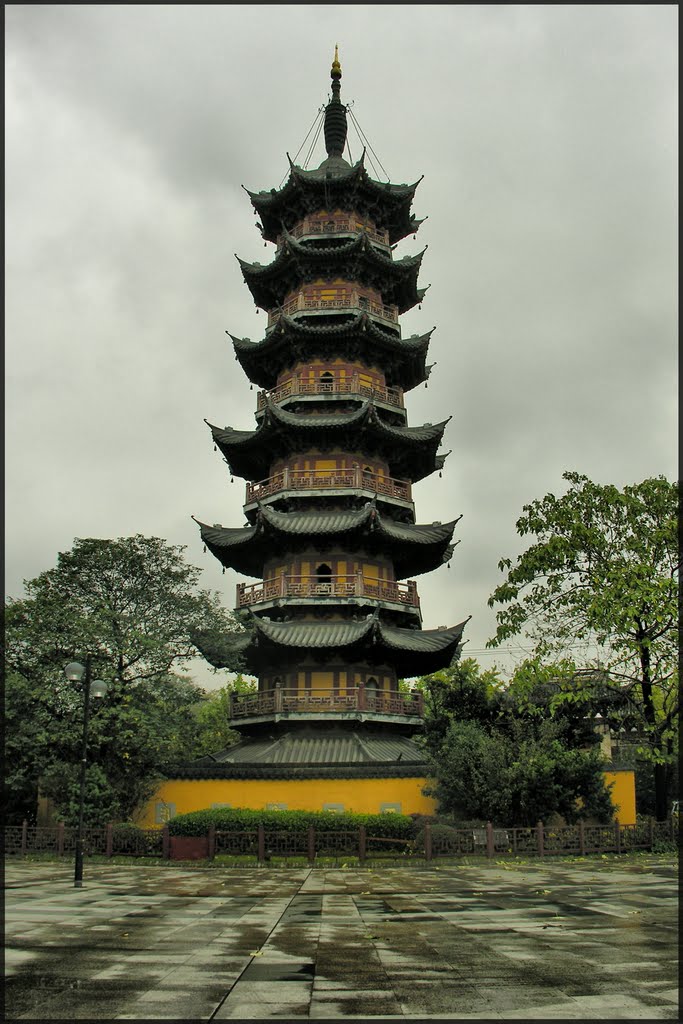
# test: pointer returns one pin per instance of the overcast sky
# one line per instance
(547, 137)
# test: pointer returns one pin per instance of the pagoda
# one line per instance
(330, 541)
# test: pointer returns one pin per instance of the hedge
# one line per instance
(223, 819)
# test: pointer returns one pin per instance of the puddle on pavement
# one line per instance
(279, 972)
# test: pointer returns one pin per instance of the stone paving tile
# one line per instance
(550, 941)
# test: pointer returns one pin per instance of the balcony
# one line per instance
(324, 703)
(313, 480)
(295, 387)
(314, 228)
(355, 304)
(333, 587)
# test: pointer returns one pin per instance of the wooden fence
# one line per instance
(431, 843)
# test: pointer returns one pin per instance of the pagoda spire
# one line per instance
(335, 113)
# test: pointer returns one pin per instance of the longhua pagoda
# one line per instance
(333, 617)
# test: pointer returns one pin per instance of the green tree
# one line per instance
(131, 605)
(516, 777)
(536, 692)
(212, 716)
(462, 692)
(603, 572)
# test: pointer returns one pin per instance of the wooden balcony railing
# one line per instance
(273, 702)
(327, 479)
(337, 225)
(354, 304)
(347, 585)
(351, 386)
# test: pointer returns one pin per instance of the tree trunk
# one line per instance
(660, 774)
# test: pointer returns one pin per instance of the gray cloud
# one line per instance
(547, 137)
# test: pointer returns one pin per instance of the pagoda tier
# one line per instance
(410, 452)
(336, 184)
(370, 642)
(355, 260)
(357, 337)
(413, 549)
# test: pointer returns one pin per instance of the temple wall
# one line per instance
(330, 462)
(362, 796)
(340, 563)
(310, 371)
(623, 794)
(340, 678)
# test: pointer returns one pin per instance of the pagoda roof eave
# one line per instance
(299, 176)
(269, 284)
(415, 548)
(412, 451)
(413, 651)
(263, 361)
(303, 188)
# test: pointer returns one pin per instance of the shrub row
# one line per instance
(223, 819)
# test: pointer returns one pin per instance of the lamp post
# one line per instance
(75, 672)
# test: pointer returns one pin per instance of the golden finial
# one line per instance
(336, 66)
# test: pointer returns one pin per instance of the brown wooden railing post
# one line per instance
(165, 843)
(24, 837)
(311, 844)
(278, 697)
(582, 839)
(109, 841)
(60, 839)
(361, 698)
(212, 842)
(261, 854)
(362, 846)
(539, 839)
(428, 841)
(617, 836)
(489, 839)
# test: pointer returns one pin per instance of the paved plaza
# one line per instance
(593, 939)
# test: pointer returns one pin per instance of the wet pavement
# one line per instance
(557, 940)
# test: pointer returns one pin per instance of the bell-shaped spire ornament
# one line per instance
(335, 113)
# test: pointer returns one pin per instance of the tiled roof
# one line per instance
(393, 202)
(414, 548)
(356, 259)
(310, 746)
(309, 252)
(262, 361)
(411, 451)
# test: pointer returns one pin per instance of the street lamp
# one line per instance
(75, 672)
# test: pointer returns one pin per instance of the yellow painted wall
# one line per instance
(623, 794)
(362, 796)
